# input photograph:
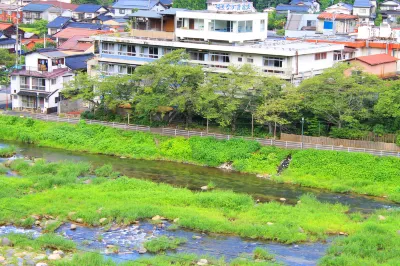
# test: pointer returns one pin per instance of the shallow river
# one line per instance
(193, 177)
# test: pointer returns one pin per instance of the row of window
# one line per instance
(37, 83)
(219, 25)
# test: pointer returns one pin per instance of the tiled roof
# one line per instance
(104, 17)
(56, 73)
(377, 59)
(88, 8)
(71, 32)
(58, 22)
(301, 8)
(59, 4)
(326, 15)
(74, 44)
(171, 11)
(83, 25)
(7, 41)
(166, 2)
(362, 3)
(295, 2)
(4, 26)
(146, 14)
(77, 62)
(36, 7)
(136, 4)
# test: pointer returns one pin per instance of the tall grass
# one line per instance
(163, 243)
(43, 242)
(8, 151)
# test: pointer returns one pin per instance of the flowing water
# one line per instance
(193, 177)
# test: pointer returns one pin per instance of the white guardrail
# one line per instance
(188, 134)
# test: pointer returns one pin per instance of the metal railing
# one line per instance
(189, 133)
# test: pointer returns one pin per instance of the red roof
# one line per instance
(57, 4)
(326, 15)
(4, 26)
(377, 59)
(71, 32)
(76, 45)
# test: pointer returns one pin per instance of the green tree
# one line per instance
(231, 94)
(190, 4)
(6, 58)
(278, 100)
(340, 99)
(170, 81)
(388, 104)
(82, 87)
(378, 19)
(40, 26)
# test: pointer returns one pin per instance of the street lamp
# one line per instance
(302, 131)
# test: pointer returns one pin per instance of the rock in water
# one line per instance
(73, 227)
(142, 250)
(79, 220)
(102, 220)
(54, 257)
(59, 252)
(157, 217)
(202, 262)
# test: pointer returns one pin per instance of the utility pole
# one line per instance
(302, 132)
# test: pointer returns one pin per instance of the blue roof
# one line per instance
(146, 14)
(136, 4)
(166, 2)
(104, 17)
(348, 6)
(301, 8)
(295, 2)
(362, 3)
(83, 25)
(87, 8)
(36, 7)
(58, 22)
(78, 62)
(7, 41)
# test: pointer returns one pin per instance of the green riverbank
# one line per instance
(335, 171)
(62, 192)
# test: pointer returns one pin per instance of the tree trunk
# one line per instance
(189, 117)
(233, 124)
(269, 128)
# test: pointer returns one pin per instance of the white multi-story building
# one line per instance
(214, 39)
(37, 85)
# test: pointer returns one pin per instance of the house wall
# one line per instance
(381, 70)
(362, 12)
(5, 16)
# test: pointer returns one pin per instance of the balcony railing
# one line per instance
(38, 88)
(150, 34)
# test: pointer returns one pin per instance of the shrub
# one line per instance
(7, 151)
(262, 254)
(347, 133)
(163, 243)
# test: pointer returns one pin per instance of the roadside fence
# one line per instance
(189, 133)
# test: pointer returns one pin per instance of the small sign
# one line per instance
(232, 7)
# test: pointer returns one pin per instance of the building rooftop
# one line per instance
(71, 32)
(55, 73)
(4, 26)
(58, 22)
(136, 4)
(294, 8)
(8, 7)
(146, 14)
(83, 25)
(77, 43)
(87, 8)
(362, 3)
(377, 59)
(36, 7)
(7, 41)
(58, 4)
(326, 15)
(172, 11)
(78, 62)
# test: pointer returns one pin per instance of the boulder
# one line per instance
(54, 257)
(196, 237)
(301, 230)
(157, 217)
(343, 234)
(79, 220)
(6, 242)
(73, 227)
(204, 188)
(102, 220)
(142, 250)
(202, 262)
(59, 252)
(282, 199)
(37, 222)
(381, 217)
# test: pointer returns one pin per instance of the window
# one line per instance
(245, 26)
(57, 61)
(53, 81)
(130, 69)
(24, 82)
(180, 23)
(38, 84)
(122, 11)
(221, 25)
(262, 25)
(131, 50)
(337, 56)
(362, 11)
(122, 69)
(200, 56)
(273, 61)
(151, 52)
(108, 48)
(220, 58)
(311, 23)
(43, 65)
(240, 59)
(320, 56)
(250, 60)
(168, 50)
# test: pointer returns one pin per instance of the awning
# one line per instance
(32, 93)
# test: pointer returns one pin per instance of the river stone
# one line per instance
(381, 217)
(37, 223)
(39, 257)
(202, 262)
(157, 217)
(79, 220)
(196, 237)
(41, 264)
(54, 257)
(282, 199)
(102, 220)
(6, 242)
(142, 250)
(176, 220)
(29, 263)
(73, 227)
(89, 181)
(204, 188)
(59, 252)
(2, 259)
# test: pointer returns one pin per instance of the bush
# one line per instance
(347, 133)
(262, 254)
(7, 151)
(163, 243)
